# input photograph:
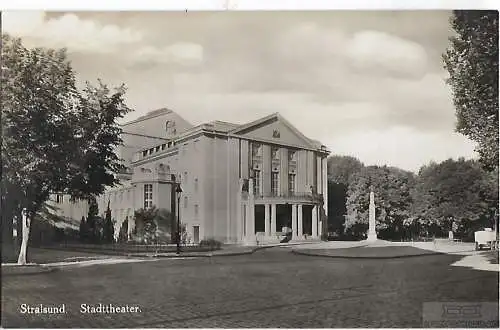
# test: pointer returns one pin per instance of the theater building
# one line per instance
(240, 183)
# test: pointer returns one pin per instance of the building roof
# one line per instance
(223, 126)
(149, 115)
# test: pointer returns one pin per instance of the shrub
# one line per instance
(211, 243)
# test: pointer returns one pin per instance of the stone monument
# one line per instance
(372, 234)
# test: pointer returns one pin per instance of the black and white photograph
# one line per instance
(237, 166)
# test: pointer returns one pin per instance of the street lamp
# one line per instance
(178, 192)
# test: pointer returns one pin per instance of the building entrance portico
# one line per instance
(274, 220)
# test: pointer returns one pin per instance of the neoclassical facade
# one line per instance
(240, 183)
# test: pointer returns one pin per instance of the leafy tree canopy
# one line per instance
(342, 168)
(56, 138)
(393, 200)
(459, 191)
(472, 62)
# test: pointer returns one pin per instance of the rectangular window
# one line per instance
(163, 146)
(275, 183)
(185, 178)
(256, 183)
(157, 149)
(291, 183)
(196, 184)
(148, 196)
(196, 210)
(185, 202)
(144, 153)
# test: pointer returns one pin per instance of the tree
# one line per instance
(56, 139)
(123, 233)
(83, 230)
(456, 193)
(342, 168)
(154, 225)
(108, 228)
(472, 63)
(92, 216)
(393, 201)
(340, 171)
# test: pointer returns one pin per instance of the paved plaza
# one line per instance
(269, 288)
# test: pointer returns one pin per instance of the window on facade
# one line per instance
(275, 183)
(196, 184)
(148, 196)
(151, 151)
(144, 153)
(185, 202)
(256, 183)
(157, 149)
(186, 178)
(291, 155)
(275, 153)
(121, 196)
(291, 183)
(195, 145)
(163, 146)
(196, 209)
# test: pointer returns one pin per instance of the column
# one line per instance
(319, 177)
(273, 219)
(294, 221)
(325, 185)
(315, 221)
(251, 210)
(248, 228)
(324, 220)
(267, 219)
(239, 210)
(300, 231)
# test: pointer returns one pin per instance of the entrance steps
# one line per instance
(261, 238)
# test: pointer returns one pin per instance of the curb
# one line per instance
(366, 257)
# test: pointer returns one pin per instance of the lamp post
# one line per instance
(178, 192)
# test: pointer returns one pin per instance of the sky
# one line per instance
(369, 84)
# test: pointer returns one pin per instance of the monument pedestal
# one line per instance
(372, 233)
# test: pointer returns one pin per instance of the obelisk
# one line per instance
(372, 234)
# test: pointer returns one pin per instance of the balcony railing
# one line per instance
(292, 195)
